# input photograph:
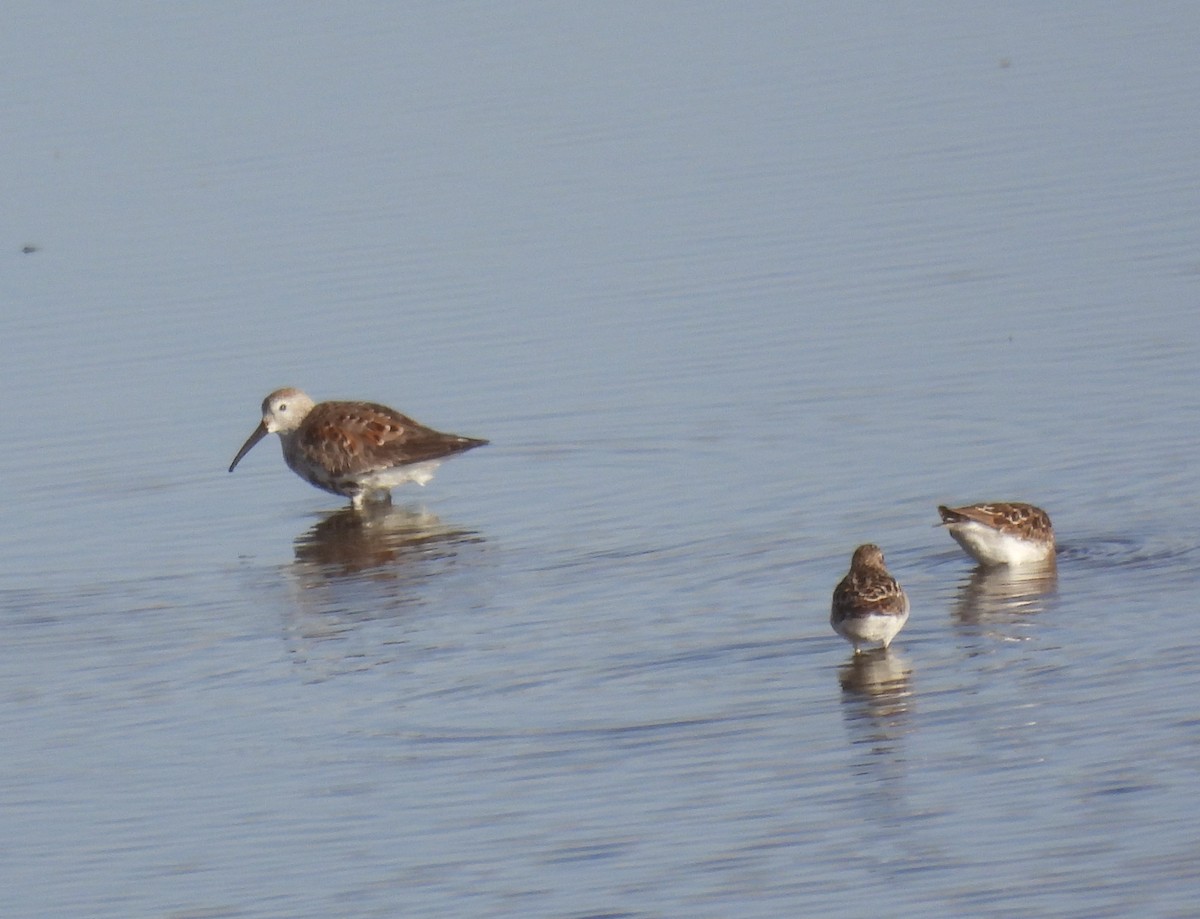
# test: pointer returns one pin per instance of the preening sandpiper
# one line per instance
(868, 605)
(1001, 532)
(360, 450)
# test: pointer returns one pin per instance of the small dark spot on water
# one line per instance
(215, 912)
(604, 916)
(29, 248)
(587, 852)
(1111, 790)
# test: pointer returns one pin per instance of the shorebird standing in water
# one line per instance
(1001, 533)
(360, 450)
(868, 605)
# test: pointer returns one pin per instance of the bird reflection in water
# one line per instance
(1005, 591)
(877, 696)
(358, 577)
(352, 542)
(878, 684)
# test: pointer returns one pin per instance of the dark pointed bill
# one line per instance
(259, 433)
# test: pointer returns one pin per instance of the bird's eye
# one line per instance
(283, 406)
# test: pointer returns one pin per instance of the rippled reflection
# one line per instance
(349, 542)
(879, 682)
(876, 696)
(359, 572)
(876, 699)
(1005, 591)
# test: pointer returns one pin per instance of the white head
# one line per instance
(282, 412)
(284, 409)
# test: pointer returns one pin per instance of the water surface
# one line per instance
(731, 290)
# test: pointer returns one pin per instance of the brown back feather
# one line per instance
(349, 438)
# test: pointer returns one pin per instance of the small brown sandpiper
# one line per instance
(868, 605)
(1001, 532)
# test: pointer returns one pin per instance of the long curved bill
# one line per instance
(259, 433)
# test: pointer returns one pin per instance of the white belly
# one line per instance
(991, 547)
(387, 479)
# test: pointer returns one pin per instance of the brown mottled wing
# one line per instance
(1024, 519)
(349, 438)
(1007, 516)
(864, 593)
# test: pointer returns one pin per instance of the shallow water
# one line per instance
(730, 292)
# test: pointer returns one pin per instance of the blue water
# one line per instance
(731, 290)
